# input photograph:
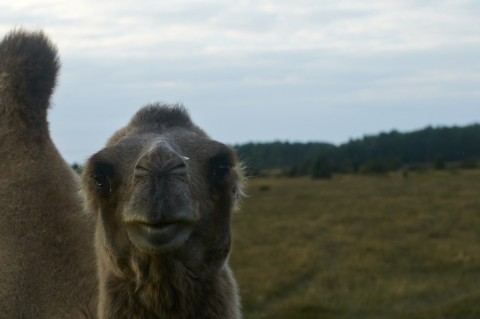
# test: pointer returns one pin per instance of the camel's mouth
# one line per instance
(160, 236)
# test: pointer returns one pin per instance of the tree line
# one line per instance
(431, 147)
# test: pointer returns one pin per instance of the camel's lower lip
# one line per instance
(159, 237)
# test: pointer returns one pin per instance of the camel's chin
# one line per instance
(159, 238)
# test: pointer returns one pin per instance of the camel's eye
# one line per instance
(221, 171)
(100, 179)
(102, 176)
(220, 167)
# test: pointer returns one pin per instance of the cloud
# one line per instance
(306, 66)
(129, 27)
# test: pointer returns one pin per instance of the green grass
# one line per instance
(360, 247)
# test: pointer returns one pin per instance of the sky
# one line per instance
(258, 71)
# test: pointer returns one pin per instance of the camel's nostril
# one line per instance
(161, 158)
(179, 169)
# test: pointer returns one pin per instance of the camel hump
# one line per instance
(28, 71)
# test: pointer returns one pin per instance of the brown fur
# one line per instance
(162, 168)
(47, 266)
(143, 176)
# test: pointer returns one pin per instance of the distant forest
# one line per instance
(429, 148)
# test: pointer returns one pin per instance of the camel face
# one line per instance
(161, 213)
(158, 211)
(162, 186)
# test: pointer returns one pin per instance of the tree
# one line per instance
(439, 163)
(77, 168)
(322, 168)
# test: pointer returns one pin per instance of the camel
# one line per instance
(148, 235)
(47, 258)
(162, 193)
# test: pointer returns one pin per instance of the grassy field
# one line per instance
(360, 247)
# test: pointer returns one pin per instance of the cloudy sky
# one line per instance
(303, 70)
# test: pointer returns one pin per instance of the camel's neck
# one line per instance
(167, 290)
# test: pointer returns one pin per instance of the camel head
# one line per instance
(162, 189)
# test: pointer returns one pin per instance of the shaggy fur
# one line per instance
(47, 266)
(159, 170)
(159, 200)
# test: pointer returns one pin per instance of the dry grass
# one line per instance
(360, 247)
